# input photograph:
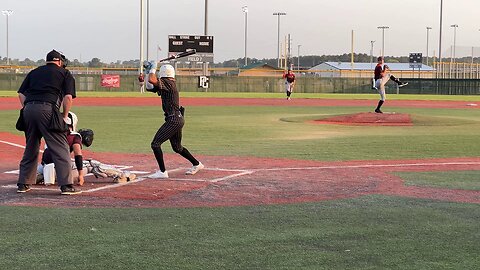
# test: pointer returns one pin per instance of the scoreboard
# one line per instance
(415, 60)
(202, 44)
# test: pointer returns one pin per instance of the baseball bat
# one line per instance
(180, 55)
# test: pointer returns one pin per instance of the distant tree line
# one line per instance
(306, 61)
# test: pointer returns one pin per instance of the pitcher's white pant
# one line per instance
(288, 87)
(380, 85)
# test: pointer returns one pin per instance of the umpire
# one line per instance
(43, 88)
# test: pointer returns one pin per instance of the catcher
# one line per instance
(46, 171)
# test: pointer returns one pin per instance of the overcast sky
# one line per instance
(109, 29)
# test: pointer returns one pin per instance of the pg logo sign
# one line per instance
(203, 82)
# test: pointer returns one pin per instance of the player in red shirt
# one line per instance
(382, 76)
(289, 82)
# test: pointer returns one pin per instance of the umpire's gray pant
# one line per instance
(37, 117)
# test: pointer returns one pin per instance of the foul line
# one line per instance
(371, 166)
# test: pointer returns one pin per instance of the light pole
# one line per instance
(371, 53)
(455, 26)
(148, 28)
(7, 13)
(206, 19)
(383, 38)
(278, 14)
(298, 59)
(142, 89)
(439, 69)
(245, 10)
(428, 30)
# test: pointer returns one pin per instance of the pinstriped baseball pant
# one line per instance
(170, 130)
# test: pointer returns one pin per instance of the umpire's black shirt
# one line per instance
(48, 83)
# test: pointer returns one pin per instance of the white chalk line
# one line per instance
(242, 172)
(370, 166)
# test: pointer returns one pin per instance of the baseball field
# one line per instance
(316, 182)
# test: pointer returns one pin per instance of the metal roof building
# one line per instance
(345, 69)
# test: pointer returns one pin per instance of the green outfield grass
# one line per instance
(283, 132)
(468, 180)
(372, 232)
(6, 93)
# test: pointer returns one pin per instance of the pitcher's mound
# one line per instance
(369, 119)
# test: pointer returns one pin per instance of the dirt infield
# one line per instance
(369, 119)
(234, 181)
(12, 103)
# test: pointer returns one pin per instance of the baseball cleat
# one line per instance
(402, 84)
(158, 175)
(22, 188)
(69, 190)
(378, 111)
(195, 169)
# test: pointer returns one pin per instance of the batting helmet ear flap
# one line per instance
(87, 136)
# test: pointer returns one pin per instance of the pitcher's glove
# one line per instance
(182, 110)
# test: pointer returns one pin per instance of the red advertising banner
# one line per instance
(110, 81)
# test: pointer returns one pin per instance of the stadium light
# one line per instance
(428, 30)
(454, 26)
(383, 38)
(278, 14)
(245, 10)
(7, 13)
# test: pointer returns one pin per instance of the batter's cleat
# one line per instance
(159, 175)
(402, 84)
(69, 190)
(195, 169)
(378, 111)
(22, 188)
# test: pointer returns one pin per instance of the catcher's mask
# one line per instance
(87, 136)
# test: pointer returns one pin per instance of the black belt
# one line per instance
(39, 102)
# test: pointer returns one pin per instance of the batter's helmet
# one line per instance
(167, 71)
(87, 136)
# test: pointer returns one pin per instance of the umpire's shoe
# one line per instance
(69, 190)
(22, 188)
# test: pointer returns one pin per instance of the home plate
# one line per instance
(139, 172)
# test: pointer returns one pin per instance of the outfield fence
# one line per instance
(304, 84)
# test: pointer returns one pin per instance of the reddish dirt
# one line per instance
(265, 181)
(241, 180)
(368, 119)
(13, 103)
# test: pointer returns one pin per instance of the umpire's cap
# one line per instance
(55, 56)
